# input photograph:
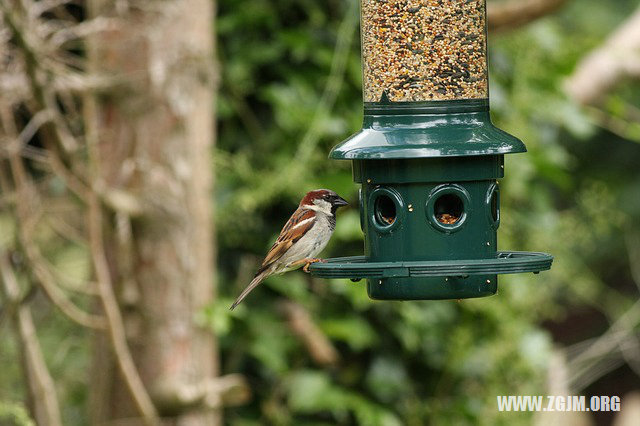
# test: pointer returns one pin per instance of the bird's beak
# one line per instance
(339, 202)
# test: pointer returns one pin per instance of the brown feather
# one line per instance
(260, 276)
(289, 235)
(313, 195)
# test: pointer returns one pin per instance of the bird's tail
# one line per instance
(260, 276)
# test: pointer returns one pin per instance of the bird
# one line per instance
(302, 238)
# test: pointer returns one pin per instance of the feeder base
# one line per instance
(432, 288)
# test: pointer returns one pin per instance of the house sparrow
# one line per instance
(304, 236)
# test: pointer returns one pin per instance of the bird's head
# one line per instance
(323, 200)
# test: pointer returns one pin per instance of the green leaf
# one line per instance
(353, 330)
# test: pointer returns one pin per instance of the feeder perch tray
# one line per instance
(442, 279)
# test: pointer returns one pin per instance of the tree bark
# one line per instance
(151, 141)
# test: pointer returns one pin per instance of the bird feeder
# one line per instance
(428, 157)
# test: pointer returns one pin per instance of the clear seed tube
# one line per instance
(423, 50)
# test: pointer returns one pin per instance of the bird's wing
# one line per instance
(300, 222)
(298, 225)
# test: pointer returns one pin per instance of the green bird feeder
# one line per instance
(428, 157)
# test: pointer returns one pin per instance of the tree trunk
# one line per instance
(151, 139)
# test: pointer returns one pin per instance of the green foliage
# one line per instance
(311, 391)
(14, 415)
(408, 363)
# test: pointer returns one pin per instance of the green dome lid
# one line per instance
(426, 130)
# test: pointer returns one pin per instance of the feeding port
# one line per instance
(449, 209)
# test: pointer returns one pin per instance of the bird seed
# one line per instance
(423, 50)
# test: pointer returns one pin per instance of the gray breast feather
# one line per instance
(314, 241)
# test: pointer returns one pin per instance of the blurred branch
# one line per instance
(600, 356)
(56, 135)
(617, 58)
(41, 92)
(84, 29)
(114, 317)
(625, 127)
(10, 306)
(511, 14)
(47, 281)
(177, 397)
(120, 201)
(87, 288)
(27, 213)
(632, 241)
(29, 152)
(74, 83)
(619, 344)
(318, 345)
(65, 230)
(44, 401)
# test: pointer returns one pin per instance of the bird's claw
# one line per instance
(309, 262)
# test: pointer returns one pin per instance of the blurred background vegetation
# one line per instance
(290, 89)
